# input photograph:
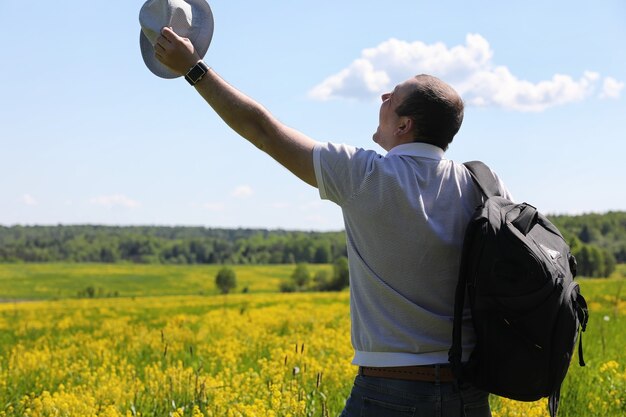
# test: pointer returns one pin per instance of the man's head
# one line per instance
(421, 109)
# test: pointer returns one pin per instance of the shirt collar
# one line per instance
(425, 150)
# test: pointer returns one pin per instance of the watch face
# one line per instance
(195, 74)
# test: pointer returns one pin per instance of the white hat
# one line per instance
(191, 19)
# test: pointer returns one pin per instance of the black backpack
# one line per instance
(518, 275)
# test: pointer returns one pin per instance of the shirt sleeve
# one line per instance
(340, 170)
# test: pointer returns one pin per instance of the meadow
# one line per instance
(43, 281)
(169, 345)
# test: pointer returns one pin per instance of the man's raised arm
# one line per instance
(292, 149)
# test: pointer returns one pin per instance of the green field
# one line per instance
(169, 346)
(66, 280)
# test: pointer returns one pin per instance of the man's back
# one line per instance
(405, 217)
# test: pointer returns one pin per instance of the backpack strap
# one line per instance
(488, 185)
(583, 315)
(553, 402)
(455, 353)
(483, 177)
(456, 350)
(527, 218)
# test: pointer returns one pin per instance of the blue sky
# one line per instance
(89, 135)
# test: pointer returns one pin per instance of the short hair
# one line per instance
(436, 110)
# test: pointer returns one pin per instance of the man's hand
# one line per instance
(175, 52)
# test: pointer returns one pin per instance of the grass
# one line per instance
(66, 280)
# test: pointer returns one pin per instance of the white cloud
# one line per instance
(242, 191)
(611, 88)
(469, 68)
(358, 81)
(499, 88)
(116, 200)
(28, 200)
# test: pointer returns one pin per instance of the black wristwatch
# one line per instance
(196, 73)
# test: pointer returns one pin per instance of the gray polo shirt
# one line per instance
(405, 216)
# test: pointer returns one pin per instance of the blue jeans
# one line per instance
(380, 397)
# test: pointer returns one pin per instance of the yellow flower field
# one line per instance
(235, 355)
(241, 355)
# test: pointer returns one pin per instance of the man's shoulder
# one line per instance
(351, 158)
(341, 169)
(342, 149)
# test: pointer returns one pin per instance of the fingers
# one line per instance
(168, 40)
(160, 45)
(174, 51)
(164, 42)
(165, 38)
(167, 31)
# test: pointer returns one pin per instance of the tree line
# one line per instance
(167, 245)
(598, 241)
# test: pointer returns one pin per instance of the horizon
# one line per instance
(256, 228)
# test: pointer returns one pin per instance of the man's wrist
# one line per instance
(196, 73)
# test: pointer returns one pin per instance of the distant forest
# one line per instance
(597, 240)
(170, 245)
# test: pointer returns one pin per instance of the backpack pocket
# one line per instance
(519, 342)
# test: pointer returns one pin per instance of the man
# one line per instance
(405, 215)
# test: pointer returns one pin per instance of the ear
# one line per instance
(404, 126)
